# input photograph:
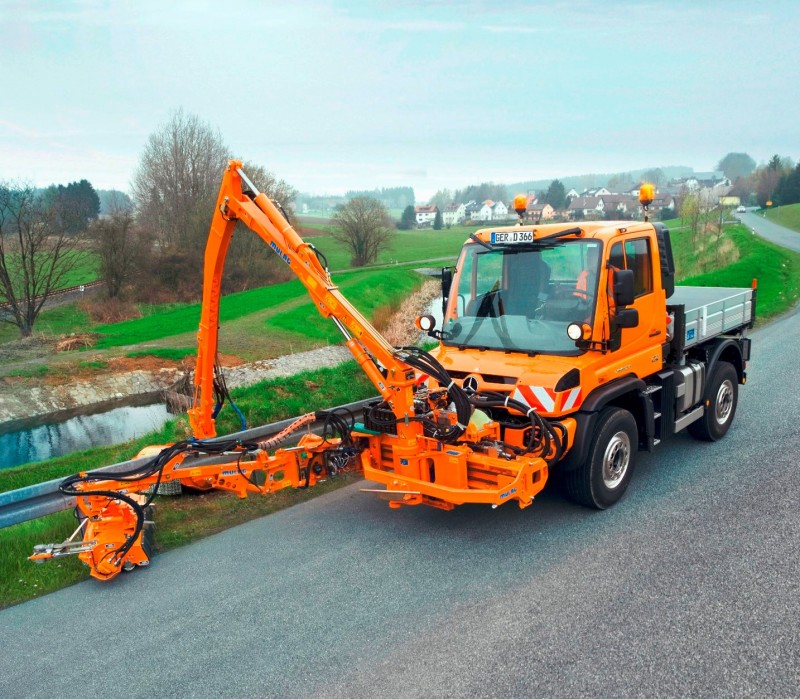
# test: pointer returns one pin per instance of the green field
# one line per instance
(406, 246)
(58, 321)
(788, 216)
(170, 320)
(247, 326)
(85, 270)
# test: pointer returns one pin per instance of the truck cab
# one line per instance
(584, 322)
(545, 310)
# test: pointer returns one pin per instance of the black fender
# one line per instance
(726, 349)
(623, 392)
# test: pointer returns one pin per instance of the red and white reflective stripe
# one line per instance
(545, 399)
(422, 379)
(572, 397)
(536, 397)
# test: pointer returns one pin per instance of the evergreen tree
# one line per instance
(788, 189)
(437, 221)
(72, 207)
(407, 219)
(556, 195)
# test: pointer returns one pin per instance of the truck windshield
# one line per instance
(522, 298)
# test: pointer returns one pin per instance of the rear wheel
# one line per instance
(603, 478)
(720, 398)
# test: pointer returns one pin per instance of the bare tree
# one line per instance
(120, 245)
(768, 178)
(176, 184)
(692, 214)
(655, 176)
(37, 251)
(364, 226)
(175, 189)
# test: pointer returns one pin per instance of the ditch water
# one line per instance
(43, 441)
(36, 442)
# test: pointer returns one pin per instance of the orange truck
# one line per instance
(564, 349)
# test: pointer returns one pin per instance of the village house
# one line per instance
(585, 207)
(622, 204)
(499, 211)
(472, 211)
(425, 215)
(596, 192)
(541, 212)
(664, 201)
(453, 214)
(485, 211)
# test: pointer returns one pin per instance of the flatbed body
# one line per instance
(709, 311)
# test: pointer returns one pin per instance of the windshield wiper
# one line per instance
(481, 242)
(559, 234)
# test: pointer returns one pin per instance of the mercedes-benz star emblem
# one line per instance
(470, 384)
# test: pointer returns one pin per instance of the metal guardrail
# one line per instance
(34, 501)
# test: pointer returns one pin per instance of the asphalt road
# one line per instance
(780, 235)
(688, 587)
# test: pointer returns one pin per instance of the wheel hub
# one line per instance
(724, 402)
(616, 459)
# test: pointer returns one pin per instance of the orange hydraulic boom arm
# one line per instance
(240, 201)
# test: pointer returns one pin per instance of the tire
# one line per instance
(720, 398)
(603, 478)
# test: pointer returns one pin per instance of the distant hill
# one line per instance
(399, 197)
(589, 181)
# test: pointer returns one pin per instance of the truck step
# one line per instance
(656, 416)
(652, 388)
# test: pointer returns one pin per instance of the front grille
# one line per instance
(488, 378)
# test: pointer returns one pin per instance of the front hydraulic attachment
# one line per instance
(114, 509)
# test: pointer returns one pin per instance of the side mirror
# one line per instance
(623, 288)
(626, 318)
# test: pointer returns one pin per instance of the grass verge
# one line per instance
(788, 216)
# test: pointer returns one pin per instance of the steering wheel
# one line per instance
(486, 309)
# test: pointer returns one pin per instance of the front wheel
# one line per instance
(604, 477)
(720, 398)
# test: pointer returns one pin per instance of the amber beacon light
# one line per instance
(647, 192)
(520, 205)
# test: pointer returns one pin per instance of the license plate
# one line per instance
(511, 237)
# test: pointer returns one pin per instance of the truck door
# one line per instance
(636, 254)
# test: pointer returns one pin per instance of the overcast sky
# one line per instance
(348, 95)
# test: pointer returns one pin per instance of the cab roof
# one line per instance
(603, 230)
